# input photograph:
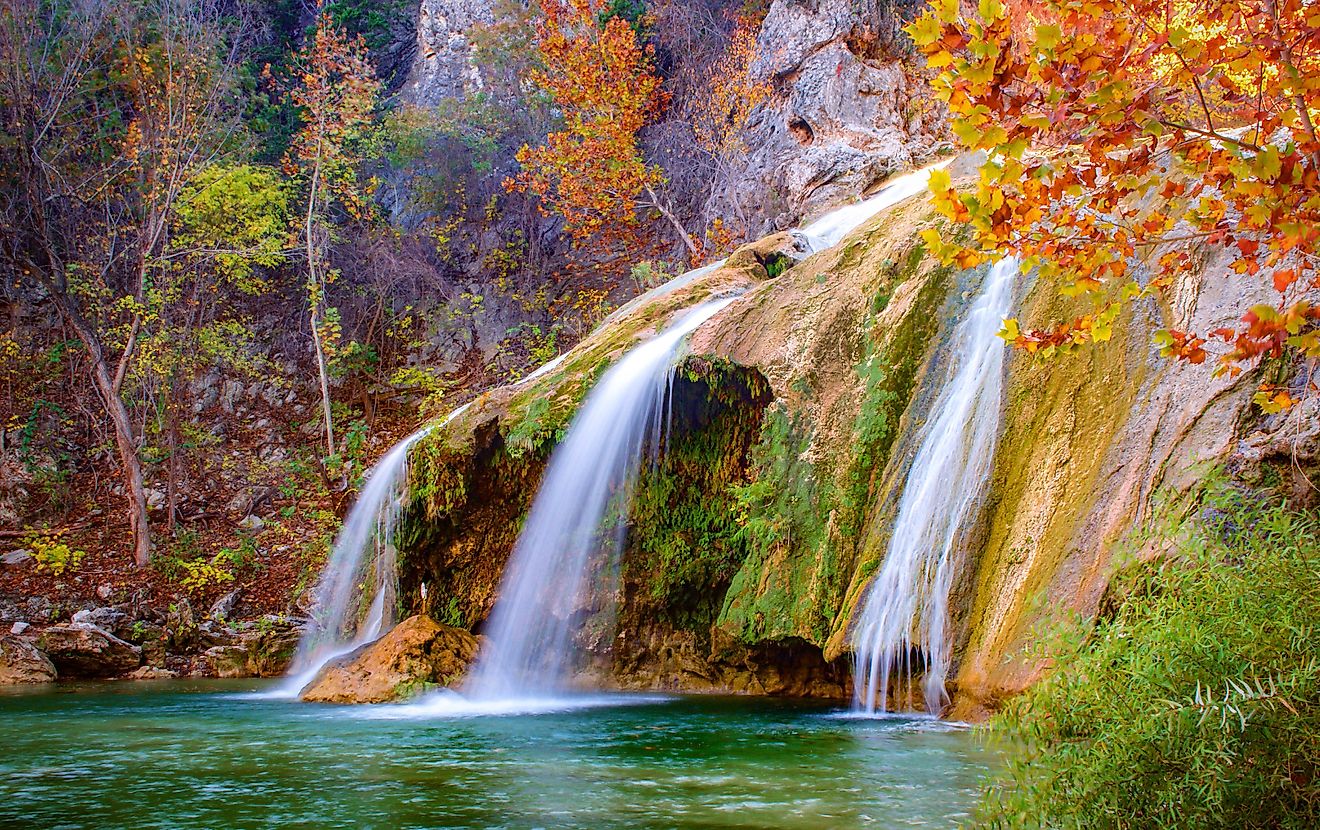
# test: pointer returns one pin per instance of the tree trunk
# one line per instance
(316, 292)
(1295, 75)
(108, 390)
(694, 252)
(125, 442)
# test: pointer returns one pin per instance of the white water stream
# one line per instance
(830, 229)
(576, 524)
(906, 614)
(363, 555)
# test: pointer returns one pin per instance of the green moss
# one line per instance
(782, 509)
(684, 540)
(805, 505)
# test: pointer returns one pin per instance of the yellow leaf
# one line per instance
(1048, 36)
(1011, 331)
(939, 181)
(924, 31)
(991, 10)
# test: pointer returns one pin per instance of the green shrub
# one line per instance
(53, 555)
(1195, 702)
(200, 574)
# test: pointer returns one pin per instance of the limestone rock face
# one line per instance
(418, 650)
(845, 114)
(22, 662)
(443, 66)
(84, 650)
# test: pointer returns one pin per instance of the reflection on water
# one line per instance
(204, 754)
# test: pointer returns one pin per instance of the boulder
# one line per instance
(264, 650)
(17, 558)
(419, 651)
(180, 627)
(84, 650)
(228, 661)
(22, 662)
(223, 608)
(110, 619)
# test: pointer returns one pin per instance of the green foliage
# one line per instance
(372, 19)
(777, 264)
(54, 555)
(683, 522)
(238, 217)
(631, 11)
(201, 574)
(432, 384)
(530, 431)
(648, 275)
(1194, 704)
(783, 506)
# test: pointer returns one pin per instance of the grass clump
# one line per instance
(1194, 701)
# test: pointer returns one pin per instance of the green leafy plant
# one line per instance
(53, 554)
(1194, 702)
(200, 574)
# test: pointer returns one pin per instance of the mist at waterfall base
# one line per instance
(905, 616)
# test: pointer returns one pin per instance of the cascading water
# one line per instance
(906, 611)
(531, 627)
(830, 229)
(530, 651)
(363, 552)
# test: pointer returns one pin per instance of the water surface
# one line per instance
(202, 754)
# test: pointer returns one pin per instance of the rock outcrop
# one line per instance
(443, 67)
(418, 653)
(263, 648)
(847, 112)
(82, 650)
(22, 662)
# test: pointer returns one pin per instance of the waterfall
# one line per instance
(830, 229)
(906, 612)
(576, 524)
(363, 554)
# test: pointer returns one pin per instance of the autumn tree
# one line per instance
(336, 93)
(732, 92)
(603, 82)
(723, 104)
(1125, 132)
(109, 112)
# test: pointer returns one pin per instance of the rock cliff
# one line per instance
(849, 109)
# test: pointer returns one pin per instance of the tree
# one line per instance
(723, 104)
(108, 113)
(336, 93)
(1126, 130)
(730, 95)
(603, 81)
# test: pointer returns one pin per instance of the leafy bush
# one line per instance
(200, 574)
(53, 555)
(1196, 702)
